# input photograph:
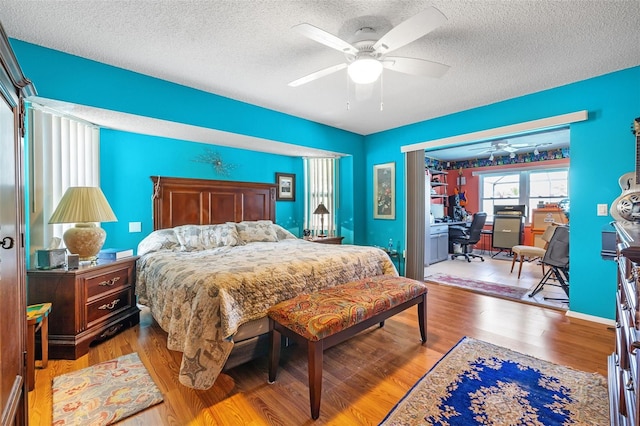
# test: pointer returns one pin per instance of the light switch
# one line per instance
(603, 209)
(135, 227)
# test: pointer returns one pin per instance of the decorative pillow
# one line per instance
(256, 231)
(162, 239)
(282, 233)
(189, 237)
(220, 235)
(203, 237)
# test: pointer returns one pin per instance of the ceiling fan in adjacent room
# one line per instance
(504, 145)
(365, 59)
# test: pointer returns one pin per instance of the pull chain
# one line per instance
(381, 92)
(348, 93)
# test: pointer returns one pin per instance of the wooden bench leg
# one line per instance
(315, 377)
(422, 317)
(274, 351)
(44, 338)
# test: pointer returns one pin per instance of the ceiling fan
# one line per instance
(506, 146)
(365, 59)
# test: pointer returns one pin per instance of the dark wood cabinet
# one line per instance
(624, 363)
(89, 304)
(14, 87)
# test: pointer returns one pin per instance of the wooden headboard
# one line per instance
(184, 201)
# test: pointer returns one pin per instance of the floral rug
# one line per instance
(478, 383)
(103, 393)
(484, 287)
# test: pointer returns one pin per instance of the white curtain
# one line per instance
(63, 152)
(320, 177)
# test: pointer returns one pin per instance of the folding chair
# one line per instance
(557, 259)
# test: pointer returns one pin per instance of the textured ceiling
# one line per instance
(246, 50)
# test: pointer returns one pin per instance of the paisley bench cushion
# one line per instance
(329, 311)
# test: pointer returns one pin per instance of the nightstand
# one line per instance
(90, 304)
(327, 240)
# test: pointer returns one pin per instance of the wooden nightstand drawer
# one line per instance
(101, 309)
(106, 282)
(89, 304)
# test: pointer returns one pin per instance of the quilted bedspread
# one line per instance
(200, 298)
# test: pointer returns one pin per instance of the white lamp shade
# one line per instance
(364, 70)
(83, 204)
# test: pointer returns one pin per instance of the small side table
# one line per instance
(396, 256)
(37, 319)
(486, 235)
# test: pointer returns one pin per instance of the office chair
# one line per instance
(557, 259)
(467, 237)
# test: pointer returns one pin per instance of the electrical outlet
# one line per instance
(603, 209)
(135, 227)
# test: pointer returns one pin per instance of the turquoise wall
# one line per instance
(129, 190)
(128, 160)
(602, 149)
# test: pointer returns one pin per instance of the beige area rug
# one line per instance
(478, 383)
(104, 393)
(478, 286)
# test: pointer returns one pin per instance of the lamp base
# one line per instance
(85, 240)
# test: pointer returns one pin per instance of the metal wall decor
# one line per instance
(215, 160)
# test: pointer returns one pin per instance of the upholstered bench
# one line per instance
(330, 316)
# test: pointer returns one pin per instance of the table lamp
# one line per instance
(321, 210)
(83, 205)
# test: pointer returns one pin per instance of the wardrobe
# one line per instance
(14, 87)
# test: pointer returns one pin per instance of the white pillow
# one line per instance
(162, 239)
(282, 233)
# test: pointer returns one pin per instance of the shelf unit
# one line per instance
(438, 189)
(437, 241)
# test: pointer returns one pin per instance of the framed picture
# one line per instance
(384, 191)
(286, 187)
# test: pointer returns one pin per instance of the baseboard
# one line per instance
(591, 318)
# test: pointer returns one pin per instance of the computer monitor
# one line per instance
(437, 210)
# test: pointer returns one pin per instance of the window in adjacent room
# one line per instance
(528, 187)
(320, 178)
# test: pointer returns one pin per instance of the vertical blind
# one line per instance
(62, 152)
(319, 177)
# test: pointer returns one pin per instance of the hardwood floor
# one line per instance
(363, 378)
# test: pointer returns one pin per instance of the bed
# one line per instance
(215, 263)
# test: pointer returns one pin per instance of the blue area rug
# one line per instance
(478, 383)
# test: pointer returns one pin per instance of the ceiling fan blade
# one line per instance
(323, 37)
(415, 66)
(410, 30)
(316, 75)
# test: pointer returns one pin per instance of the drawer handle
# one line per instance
(629, 384)
(110, 282)
(109, 306)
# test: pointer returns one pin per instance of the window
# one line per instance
(528, 187)
(63, 152)
(319, 180)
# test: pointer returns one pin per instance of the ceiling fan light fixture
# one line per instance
(364, 70)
